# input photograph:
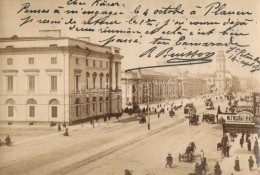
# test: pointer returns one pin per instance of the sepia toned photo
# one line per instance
(140, 87)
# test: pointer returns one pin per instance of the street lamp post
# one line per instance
(148, 96)
(93, 120)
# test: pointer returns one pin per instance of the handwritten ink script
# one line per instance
(180, 33)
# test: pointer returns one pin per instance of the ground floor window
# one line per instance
(94, 106)
(10, 111)
(54, 111)
(107, 106)
(31, 111)
(100, 107)
(87, 109)
(118, 105)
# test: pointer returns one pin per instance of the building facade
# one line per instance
(138, 86)
(57, 79)
(192, 85)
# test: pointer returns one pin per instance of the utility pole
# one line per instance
(148, 96)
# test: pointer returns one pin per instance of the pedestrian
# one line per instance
(59, 128)
(105, 118)
(250, 163)
(201, 155)
(247, 137)
(203, 165)
(198, 169)
(66, 133)
(217, 169)
(223, 151)
(241, 142)
(256, 150)
(8, 140)
(169, 161)
(256, 142)
(159, 114)
(249, 145)
(227, 150)
(237, 166)
(257, 161)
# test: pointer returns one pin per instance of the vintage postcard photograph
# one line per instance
(129, 87)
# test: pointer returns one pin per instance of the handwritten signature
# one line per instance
(244, 57)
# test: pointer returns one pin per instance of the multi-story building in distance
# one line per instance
(57, 79)
(138, 86)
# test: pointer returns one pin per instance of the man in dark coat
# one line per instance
(250, 163)
(241, 142)
(59, 128)
(169, 160)
(8, 140)
(217, 169)
(227, 150)
(249, 145)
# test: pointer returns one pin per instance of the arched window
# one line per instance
(31, 102)
(107, 80)
(101, 80)
(87, 79)
(31, 107)
(94, 75)
(54, 102)
(94, 104)
(100, 104)
(10, 103)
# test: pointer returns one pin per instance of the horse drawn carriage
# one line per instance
(188, 109)
(189, 153)
(193, 119)
(171, 113)
(209, 104)
(209, 118)
(141, 118)
(210, 107)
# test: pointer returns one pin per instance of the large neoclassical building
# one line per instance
(57, 79)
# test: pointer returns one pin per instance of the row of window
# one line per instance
(94, 108)
(31, 83)
(77, 80)
(31, 60)
(31, 106)
(54, 61)
(54, 82)
(54, 111)
(93, 63)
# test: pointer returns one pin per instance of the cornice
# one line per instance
(10, 71)
(53, 70)
(31, 70)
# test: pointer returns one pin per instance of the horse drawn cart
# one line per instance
(141, 118)
(209, 118)
(171, 113)
(189, 153)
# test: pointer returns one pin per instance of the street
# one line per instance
(112, 148)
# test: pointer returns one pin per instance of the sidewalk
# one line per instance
(228, 163)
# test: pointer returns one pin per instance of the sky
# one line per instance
(10, 21)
